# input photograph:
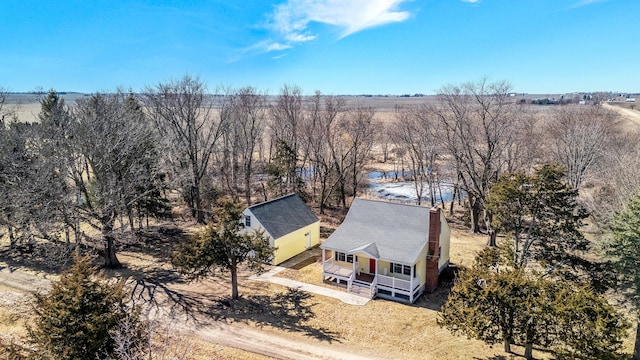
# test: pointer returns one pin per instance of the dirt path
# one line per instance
(15, 284)
(20, 281)
(631, 115)
(268, 344)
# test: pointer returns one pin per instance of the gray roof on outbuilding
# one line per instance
(283, 215)
(397, 232)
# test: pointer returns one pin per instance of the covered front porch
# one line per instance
(363, 274)
(345, 268)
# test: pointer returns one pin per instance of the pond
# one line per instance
(382, 185)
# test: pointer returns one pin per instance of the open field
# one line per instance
(27, 106)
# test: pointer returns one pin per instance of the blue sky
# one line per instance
(335, 46)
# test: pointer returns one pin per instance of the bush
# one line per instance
(81, 314)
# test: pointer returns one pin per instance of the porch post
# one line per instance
(354, 264)
(411, 286)
(323, 260)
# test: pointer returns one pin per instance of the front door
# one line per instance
(372, 266)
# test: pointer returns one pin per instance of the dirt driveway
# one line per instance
(199, 310)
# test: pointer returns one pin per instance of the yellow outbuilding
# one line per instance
(288, 222)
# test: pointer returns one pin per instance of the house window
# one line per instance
(402, 269)
(247, 221)
(406, 270)
(340, 256)
(414, 270)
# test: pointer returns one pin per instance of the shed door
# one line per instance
(372, 266)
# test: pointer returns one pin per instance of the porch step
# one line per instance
(361, 283)
(362, 290)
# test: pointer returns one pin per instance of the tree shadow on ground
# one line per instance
(435, 300)
(157, 241)
(52, 257)
(289, 311)
(496, 357)
(164, 290)
(47, 257)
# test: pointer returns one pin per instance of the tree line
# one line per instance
(112, 160)
(204, 144)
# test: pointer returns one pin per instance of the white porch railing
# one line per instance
(396, 283)
(331, 269)
(350, 281)
(374, 285)
(326, 264)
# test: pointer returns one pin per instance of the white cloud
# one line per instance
(582, 3)
(586, 2)
(471, 1)
(277, 46)
(290, 20)
(261, 47)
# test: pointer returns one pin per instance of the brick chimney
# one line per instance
(433, 253)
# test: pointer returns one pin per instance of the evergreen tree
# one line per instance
(540, 214)
(77, 318)
(283, 176)
(496, 303)
(224, 246)
(625, 257)
(54, 147)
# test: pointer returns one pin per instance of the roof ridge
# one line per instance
(273, 200)
(396, 203)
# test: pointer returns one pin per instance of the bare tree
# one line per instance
(579, 136)
(383, 139)
(359, 127)
(287, 117)
(117, 154)
(477, 120)
(191, 121)
(35, 194)
(617, 176)
(6, 112)
(415, 132)
(524, 147)
(323, 136)
(248, 123)
(55, 147)
(18, 170)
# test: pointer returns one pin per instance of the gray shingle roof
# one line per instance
(398, 231)
(283, 215)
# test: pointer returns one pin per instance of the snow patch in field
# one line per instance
(404, 190)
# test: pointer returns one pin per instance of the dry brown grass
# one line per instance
(172, 345)
(12, 315)
(392, 329)
(381, 328)
(203, 350)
